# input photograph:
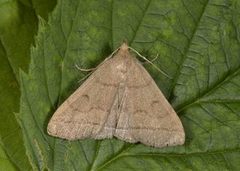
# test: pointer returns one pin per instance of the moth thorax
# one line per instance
(121, 70)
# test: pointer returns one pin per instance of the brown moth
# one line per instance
(119, 99)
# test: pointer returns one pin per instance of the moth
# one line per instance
(119, 99)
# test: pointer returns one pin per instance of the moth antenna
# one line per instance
(143, 57)
(152, 60)
(92, 69)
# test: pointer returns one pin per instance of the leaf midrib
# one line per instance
(144, 13)
(66, 50)
(178, 73)
(140, 23)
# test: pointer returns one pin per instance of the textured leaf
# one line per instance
(14, 54)
(18, 24)
(4, 162)
(198, 46)
(41, 7)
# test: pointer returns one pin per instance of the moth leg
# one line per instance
(93, 69)
(84, 69)
(152, 60)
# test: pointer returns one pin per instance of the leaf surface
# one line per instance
(18, 24)
(198, 47)
(16, 35)
(41, 7)
(5, 162)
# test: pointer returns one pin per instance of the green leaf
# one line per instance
(41, 7)
(5, 162)
(18, 24)
(17, 27)
(198, 47)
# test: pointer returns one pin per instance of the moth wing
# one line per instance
(85, 113)
(146, 116)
